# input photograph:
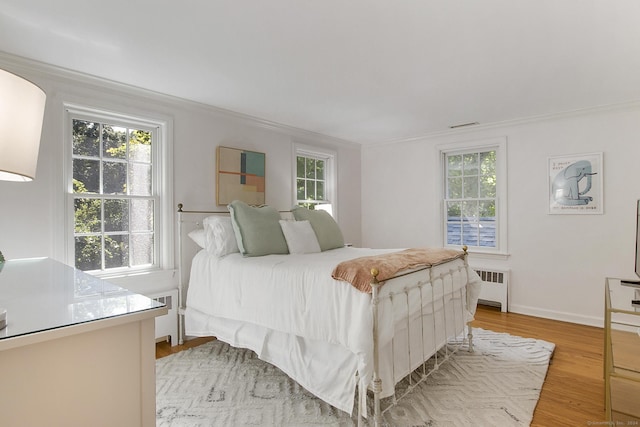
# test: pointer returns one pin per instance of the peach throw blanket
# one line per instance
(358, 271)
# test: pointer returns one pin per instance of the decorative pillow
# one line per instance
(220, 239)
(326, 228)
(257, 229)
(300, 237)
(198, 236)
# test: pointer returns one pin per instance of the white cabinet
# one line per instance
(76, 351)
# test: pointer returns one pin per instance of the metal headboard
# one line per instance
(189, 220)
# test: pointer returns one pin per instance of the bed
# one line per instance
(334, 331)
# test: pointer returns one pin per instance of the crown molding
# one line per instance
(629, 105)
(43, 70)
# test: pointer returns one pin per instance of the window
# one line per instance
(473, 189)
(314, 180)
(116, 192)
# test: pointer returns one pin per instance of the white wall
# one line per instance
(32, 214)
(558, 263)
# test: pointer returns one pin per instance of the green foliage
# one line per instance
(310, 182)
(89, 138)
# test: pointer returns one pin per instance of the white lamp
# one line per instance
(21, 113)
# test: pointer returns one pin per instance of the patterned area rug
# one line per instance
(217, 385)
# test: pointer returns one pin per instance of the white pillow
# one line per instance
(220, 238)
(300, 237)
(199, 236)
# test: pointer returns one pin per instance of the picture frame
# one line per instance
(240, 175)
(575, 184)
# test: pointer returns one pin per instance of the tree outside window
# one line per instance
(113, 196)
(470, 198)
(311, 181)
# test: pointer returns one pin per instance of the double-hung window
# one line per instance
(474, 197)
(315, 182)
(116, 191)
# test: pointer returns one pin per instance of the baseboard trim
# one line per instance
(558, 315)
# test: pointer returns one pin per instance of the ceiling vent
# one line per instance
(463, 125)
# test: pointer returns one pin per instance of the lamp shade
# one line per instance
(21, 112)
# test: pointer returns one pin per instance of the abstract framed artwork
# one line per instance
(576, 184)
(240, 176)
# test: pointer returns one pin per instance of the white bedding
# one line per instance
(289, 310)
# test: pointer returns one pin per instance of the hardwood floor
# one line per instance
(573, 392)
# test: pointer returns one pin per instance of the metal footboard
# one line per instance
(452, 328)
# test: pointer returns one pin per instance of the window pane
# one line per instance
(311, 190)
(86, 138)
(454, 211)
(141, 249)
(114, 141)
(116, 251)
(320, 190)
(454, 233)
(88, 253)
(470, 234)
(487, 210)
(320, 169)
(87, 214)
(454, 165)
(454, 188)
(300, 167)
(470, 164)
(141, 215)
(140, 179)
(140, 146)
(487, 233)
(470, 210)
(470, 187)
(115, 178)
(116, 215)
(86, 176)
(488, 186)
(488, 163)
(454, 224)
(300, 189)
(311, 168)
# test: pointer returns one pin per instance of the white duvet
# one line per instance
(289, 310)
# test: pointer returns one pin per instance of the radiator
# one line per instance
(167, 325)
(495, 286)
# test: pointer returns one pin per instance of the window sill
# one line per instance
(480, 254)
(489, 255)
(143, 281)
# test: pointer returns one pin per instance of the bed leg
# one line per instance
(377, 382)
(470, 337)
(180, 327)
(377, 389)
(359, 403)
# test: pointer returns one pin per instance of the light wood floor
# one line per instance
(573, 392)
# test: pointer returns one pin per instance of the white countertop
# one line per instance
(41, 294)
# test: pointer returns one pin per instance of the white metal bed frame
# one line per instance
(438, 357)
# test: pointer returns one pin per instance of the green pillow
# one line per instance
(257, 229)
(326, 228)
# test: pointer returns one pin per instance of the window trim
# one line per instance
(500, 145)
(330, 157)
(163, 185)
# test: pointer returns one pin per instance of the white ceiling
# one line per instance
(367, 71)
